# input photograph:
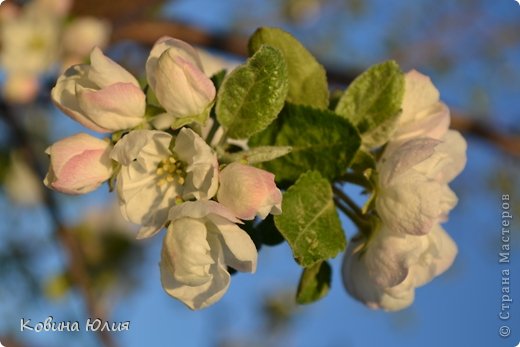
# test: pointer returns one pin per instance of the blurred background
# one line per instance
(73, 257)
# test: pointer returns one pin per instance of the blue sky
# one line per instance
(460, 308)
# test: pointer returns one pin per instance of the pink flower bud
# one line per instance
(79, 164)
(175, 74)
(102, 96)
(248, 191)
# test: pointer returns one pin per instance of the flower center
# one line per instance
(171, 170)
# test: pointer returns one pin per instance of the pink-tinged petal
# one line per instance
(116, 107)
(64, 96)
(181, 87)
(180, 48)
(79, 164)
(104, 71)
(248, 191)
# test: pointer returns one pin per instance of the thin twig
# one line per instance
(78, 269)
(345, 198)
(349, 213)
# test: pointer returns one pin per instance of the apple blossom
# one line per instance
(157, 170)
(29, 42)
(175, 74)
(413, 194)
(101, 96)
(79, 164)
(201, 241)
(384, 273)
(248, 191)
(423, 114)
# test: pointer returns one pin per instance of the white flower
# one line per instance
(79, 164)
(29, 42)
(413, 194)
(21, 184)
(248, 191)
(21, 88)
(175, 74)
(423, 114)
(102, 96)
(201, 241)
(153, 176)
(81, 36)
(386, 273)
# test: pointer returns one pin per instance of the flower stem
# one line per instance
(346, 199)
(349, 213)
(212, 132)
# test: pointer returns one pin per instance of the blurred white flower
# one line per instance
(21, 184)
(156, 173)
(80, 36)
(248, 191)
(21, 88)
(385, 273)
(102, 96)
(413, 194)
(79, 164)
(201, 241)
(175, 74)
(214, 63)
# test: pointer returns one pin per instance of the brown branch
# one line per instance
(146, 32)
(78, 268)
(509, 143)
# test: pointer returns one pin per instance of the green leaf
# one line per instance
(251, 96)
(373, 102)
(309, 221)
(320, 140)
(307, 78)
(314, 283)
(256, 154)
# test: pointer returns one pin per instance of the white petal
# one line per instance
(448, 160)
(64, 95)
(178, 47)
(201, 209)
(151, 142)
(197, 297)
(414, 204)
(202, 179)
(239, 250)
(104, 71)
(189, 251)
(400, 158)
(115, 107)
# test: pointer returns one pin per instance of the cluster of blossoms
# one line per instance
(408, 248)
(36, 38)
(166, 173)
